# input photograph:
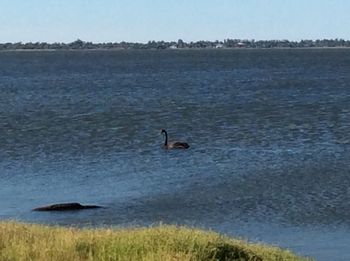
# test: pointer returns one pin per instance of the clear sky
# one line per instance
(190, 20)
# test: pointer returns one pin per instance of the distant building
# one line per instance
(240, 44)
(173, 47)
(219, 46)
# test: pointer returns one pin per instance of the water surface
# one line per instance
(268, 129)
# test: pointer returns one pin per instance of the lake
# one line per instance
(268, 130)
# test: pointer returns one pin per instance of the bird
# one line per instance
(173, 145)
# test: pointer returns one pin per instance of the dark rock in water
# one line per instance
(65, 207)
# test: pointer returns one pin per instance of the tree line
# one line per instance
(180, 44)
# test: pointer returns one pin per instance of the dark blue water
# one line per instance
(269, 132)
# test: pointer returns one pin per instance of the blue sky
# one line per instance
(190, 20)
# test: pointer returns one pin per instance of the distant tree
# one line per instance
(77, 44)
(180, 43)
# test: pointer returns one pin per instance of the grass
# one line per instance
(19, 241)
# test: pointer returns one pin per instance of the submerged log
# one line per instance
(65, 207)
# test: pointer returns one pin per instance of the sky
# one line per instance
(189, 20)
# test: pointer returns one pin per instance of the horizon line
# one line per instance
(194, 41)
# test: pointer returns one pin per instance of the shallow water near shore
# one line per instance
(268, 129)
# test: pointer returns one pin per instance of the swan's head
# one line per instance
(163, 131)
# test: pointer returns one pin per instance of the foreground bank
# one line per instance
(20, 241)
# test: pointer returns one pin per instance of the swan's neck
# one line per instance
(166, 139)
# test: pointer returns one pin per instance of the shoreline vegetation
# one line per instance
(20, 241)
(180, 44)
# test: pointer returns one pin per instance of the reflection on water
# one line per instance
(268, 131)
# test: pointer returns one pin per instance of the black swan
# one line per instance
(173, 145)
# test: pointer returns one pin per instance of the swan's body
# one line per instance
(173, 145)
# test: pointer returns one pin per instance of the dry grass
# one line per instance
(20, 241)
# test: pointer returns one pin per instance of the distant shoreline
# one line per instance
(178, 49)
(180, 45)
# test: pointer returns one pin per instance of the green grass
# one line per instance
(20, 241)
